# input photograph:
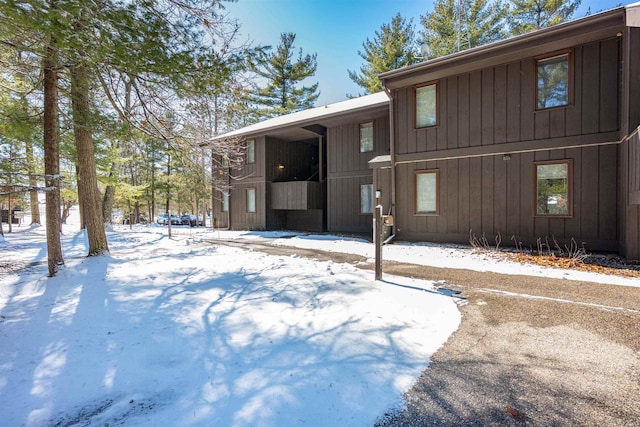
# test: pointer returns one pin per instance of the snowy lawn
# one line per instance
(177, 332)
(443, 256)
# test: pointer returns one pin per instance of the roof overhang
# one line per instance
(311, 123)
(584, 30)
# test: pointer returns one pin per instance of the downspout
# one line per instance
(392, 156)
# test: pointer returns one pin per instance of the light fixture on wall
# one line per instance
(281, 167)
(506, 157)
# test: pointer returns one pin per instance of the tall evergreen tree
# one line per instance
(283, 74)
(456, 25)
(531, 15)
(393, 46)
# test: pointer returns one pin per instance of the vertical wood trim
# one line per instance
(589, 188)
(487, 106)
(609, 85)
(452, 112)
(527, 100)
(513, 102)
(463, 110)
(475, 191)
(500, 195)
(590, 88)
(442, 89)
(574, 113)
(463, 196)
(475, 108)
(500, 104)
(513, 196)
(488, 197)
(453, 186)
(607, 189)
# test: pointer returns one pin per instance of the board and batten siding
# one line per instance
(253, 176)
(348, 169)
(489, 195)
(630, 199)
(240, 218)
(496, 105)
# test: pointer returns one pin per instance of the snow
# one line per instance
(187, 333)
(449, 256)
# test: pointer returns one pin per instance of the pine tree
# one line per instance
(531, 15)
(458, 25)
(282, 93)
(393, 46)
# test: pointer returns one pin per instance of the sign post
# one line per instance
(377, 240)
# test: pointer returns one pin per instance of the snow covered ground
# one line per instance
(431, 254)
(180, 332)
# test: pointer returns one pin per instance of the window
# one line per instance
(225, 202)
(251, 151)
(366, 137)
(552, 79)
(427, 192)
(251, 200)
(366, 199)
(426, 105)
(553, 188)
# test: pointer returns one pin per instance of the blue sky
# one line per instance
(335, 30)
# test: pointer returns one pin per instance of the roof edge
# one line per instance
(505, 43)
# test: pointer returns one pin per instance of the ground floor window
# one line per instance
(225, 202)
(366, 199)
(251, 200)
(426, 192)
(553, 188)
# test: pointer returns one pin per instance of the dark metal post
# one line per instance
(377, 240)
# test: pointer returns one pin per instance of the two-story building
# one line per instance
(532, 137)
(307, 170)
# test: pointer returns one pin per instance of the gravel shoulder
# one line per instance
(529, 351)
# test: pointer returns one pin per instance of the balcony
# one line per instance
(296, 195)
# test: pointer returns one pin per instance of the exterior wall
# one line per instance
(630, 196)
(240, 218)
(348, 169)
(252, 176)
(487, 112)
(490, 195)
(495, 106)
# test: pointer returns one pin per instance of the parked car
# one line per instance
(191, 220)
(163, 219)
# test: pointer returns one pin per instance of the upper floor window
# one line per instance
(553, 188)
(366, 137)
(251, 151)
(366, 199)
(553, 81)
(427, 105)
(426, 197)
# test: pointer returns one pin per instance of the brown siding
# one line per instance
(344, 205)
(240, 218)
(634, 79)
(348, 169)
(495, 106)
(489, 195)
(630, 196)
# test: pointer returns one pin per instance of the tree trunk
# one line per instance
(52, 157)
(87, 181)
(33, 182)
(108, 201)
